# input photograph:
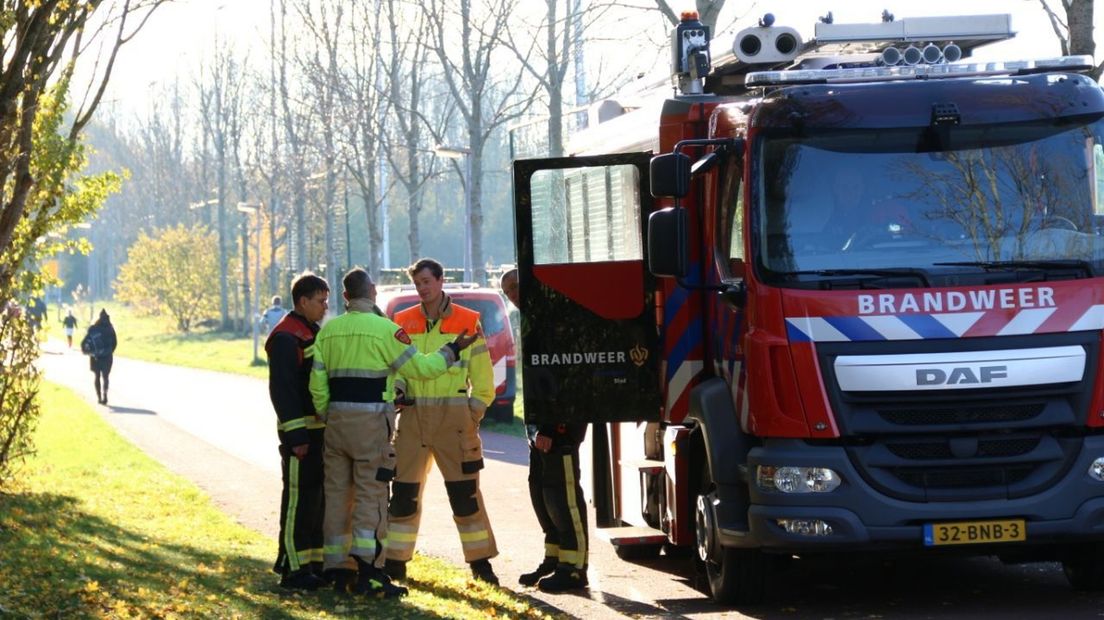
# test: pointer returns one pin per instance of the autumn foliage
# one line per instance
(175, 272)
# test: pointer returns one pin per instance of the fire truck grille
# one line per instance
(942, 449)
(965, 467)
(915, 416)
(964, 478)
(963, 444)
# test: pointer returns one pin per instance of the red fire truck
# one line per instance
(863, 312)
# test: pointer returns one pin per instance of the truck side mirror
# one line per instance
(667, 242)
(669, 175)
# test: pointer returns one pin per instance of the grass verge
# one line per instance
(96, 529)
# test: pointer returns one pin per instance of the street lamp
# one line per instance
(247, 208)
(456, 152)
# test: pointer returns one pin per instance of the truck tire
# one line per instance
(733, 576)
(1084, 568)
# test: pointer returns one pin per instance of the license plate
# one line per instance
(974, 532)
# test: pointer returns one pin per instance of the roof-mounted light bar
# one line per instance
(908, 72)
(920, 29)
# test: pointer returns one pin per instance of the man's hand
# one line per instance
(463, 340)
(543, 443)
(300, 451)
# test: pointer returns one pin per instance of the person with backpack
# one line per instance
(99, 345)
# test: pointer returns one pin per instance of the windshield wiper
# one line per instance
(885, 272)
(1078, 264)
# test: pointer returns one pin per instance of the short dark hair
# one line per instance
(508, 274)
(307, 284)
(426, 263)
(276, 300)
(357, 283)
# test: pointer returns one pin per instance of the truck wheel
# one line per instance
(637, 552)
(1084, 567)
(734, 576)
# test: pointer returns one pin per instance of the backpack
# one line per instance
(95, 344)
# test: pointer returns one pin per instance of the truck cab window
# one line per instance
(586, 215)
(871, 199)
(730, 223)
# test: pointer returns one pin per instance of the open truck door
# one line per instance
(588, 322)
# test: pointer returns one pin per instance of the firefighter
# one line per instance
(556, 493)
(442, 425)
(356, 356)
(299, 559)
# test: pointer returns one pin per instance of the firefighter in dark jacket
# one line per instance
(555, 492)
(289, 349)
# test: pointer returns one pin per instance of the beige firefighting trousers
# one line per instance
(445, 430)
(359, 462)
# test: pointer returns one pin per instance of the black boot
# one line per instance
(301, 580)
(343, 579)
(566, 577)
(373, 582)
(395, 569)
(546, 568)
(481, 570)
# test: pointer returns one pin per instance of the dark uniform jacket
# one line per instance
(289, 361)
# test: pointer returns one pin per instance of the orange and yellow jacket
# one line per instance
(470, 380)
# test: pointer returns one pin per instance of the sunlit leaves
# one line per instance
(174, 270)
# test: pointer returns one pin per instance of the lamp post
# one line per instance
(88, 263)
(457, 152)
(247, 208)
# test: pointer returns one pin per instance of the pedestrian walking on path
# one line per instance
(99, 345)
(69, 323)
(274, 314)
(299, 558)
(356, 357)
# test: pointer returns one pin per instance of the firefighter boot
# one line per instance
(301, 580)
(546, 568)
(373, 582)
(481, 570)
(395, 569)
(566, 577)
(343, 579)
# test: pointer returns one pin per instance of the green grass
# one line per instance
(96, 529)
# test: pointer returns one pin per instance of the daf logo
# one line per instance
(959, 376)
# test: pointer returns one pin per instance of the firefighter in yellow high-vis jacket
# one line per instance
(442, 424)
(356, 357)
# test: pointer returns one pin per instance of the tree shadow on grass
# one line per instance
(61, 561)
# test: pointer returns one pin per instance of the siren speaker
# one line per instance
(765, 44)
(932, 54)
(891, 56)
(912, 55)
(952, 53)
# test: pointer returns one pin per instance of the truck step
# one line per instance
(632, 535)
(648, 466)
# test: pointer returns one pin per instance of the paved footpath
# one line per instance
(217, 430)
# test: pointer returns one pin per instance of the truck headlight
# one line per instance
(796, 479)
(1096, 469)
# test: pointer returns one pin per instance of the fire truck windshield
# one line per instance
(1025, 201)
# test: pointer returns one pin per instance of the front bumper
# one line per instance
(863, 518)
